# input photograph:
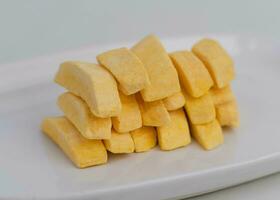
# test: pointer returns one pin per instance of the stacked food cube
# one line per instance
(137, 97)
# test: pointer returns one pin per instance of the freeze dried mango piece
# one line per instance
(176, 133)
(126, 67)
(193, 75)
(163, 76)
(144, 138)
(200, 110)
(216, 59)
(119, 143)
(153, 113)
(174, 101)
(77, 112)
(221, 95)
(93, 84)
(227, 114)
(130, 117)
(81, 151)
(208, 135)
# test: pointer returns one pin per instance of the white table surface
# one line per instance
(264, 188)
(34, 28)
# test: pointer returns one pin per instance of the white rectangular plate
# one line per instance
(33, 167)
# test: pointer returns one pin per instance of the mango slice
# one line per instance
(130, 117)
(93, 84)
(144, 138)
(119, 143)
(163, 76)
(81, 151)
(209, 135)
(227, 114)
(200, 110)
(176, 133)
(193, 75)
(216, 59)
(126, 67)
(221, 95)
(153, 113)
(174, 102)
(77, 112)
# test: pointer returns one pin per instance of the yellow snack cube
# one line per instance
(81, 151)
(144, 138)
(176, 133)
(77, 112)
(126, 67)
(227, 114)
(174, 102)
(119, 143)
(153, 113)
(163, 76)
(221, 95)
(93, 84)
(200, 110)
(130, 116)
(193, 75)
(216, 59)
(208, 135)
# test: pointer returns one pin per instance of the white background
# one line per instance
(36, 27)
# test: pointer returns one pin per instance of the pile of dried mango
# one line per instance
(135, 98)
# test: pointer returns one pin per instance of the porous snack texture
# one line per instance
(140, 96)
